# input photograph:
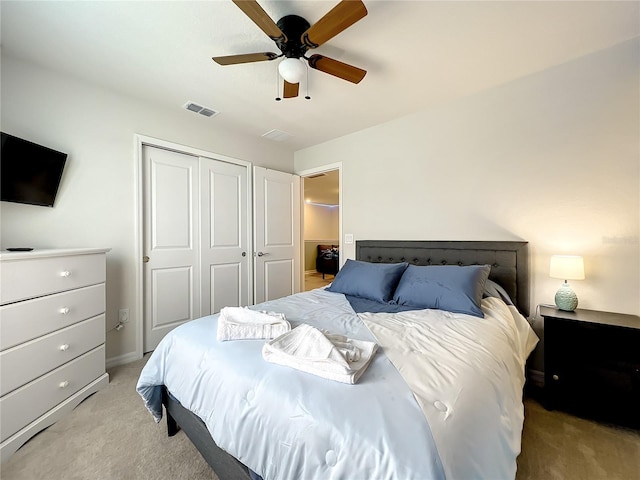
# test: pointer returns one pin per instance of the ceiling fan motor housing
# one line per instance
(293, 27)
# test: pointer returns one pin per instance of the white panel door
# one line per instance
(171, 242)
(225, 255)
(276, 232)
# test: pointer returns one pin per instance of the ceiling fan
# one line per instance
(293, 35)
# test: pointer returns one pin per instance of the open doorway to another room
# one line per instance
(321, 228)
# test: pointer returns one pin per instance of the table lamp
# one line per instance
(566, 267)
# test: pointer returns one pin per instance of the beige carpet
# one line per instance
(556, 445)
(111, 436)
(313, 280)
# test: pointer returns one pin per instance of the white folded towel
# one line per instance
(334, 357)
(241, 323)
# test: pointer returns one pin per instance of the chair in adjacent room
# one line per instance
(327, 259)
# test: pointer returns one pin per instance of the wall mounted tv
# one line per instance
(29, 173)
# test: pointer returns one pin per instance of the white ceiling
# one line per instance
(417, 53)
(323, 189)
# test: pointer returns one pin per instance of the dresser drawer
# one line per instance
(33, 277)
(20, 322)
(19, 365)
(27, 403)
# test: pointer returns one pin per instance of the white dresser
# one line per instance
(52, 334)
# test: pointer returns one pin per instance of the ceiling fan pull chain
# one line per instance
(307, 97)
(278, 98)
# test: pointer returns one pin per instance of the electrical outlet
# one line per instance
(124, 315)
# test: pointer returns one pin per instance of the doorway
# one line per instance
(322, 222)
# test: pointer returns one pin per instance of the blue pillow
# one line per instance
(375, 281)
(446, 287)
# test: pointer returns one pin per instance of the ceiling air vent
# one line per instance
(277, 135)
(194, 107)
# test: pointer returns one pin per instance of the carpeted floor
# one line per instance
(557, 445)
(111, 436)
(314, 280)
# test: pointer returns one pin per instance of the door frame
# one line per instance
(307, 173)
(139, 142)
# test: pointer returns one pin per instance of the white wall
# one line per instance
(321, 222)
(95, 206)
(552, 158)
(321, 226)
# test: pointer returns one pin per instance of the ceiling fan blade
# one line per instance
(337, 69)
(339, 18)
(244, 58)
(254, 11)
(290, 89)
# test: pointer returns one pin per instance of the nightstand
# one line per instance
(592, 364)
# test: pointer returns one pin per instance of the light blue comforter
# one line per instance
(286, 424)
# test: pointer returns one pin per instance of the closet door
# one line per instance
(171, 242)
(225, 253)
(277, 233)
(197, 234)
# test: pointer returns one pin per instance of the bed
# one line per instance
(442, 398)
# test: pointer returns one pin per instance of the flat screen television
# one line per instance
(29, 173)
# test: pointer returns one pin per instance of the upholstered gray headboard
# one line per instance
(509, 260)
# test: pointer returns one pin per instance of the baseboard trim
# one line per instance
(122, 359)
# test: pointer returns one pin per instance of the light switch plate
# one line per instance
(348, 238)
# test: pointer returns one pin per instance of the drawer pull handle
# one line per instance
(64, 310)
(64, 348)
(64, 384)
(66, 273)
(556, 377)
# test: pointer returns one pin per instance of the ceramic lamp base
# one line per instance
(566, 298)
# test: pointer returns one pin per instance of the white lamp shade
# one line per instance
(292, 70)
(567, 267)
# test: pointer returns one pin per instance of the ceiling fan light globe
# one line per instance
(292, 69)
